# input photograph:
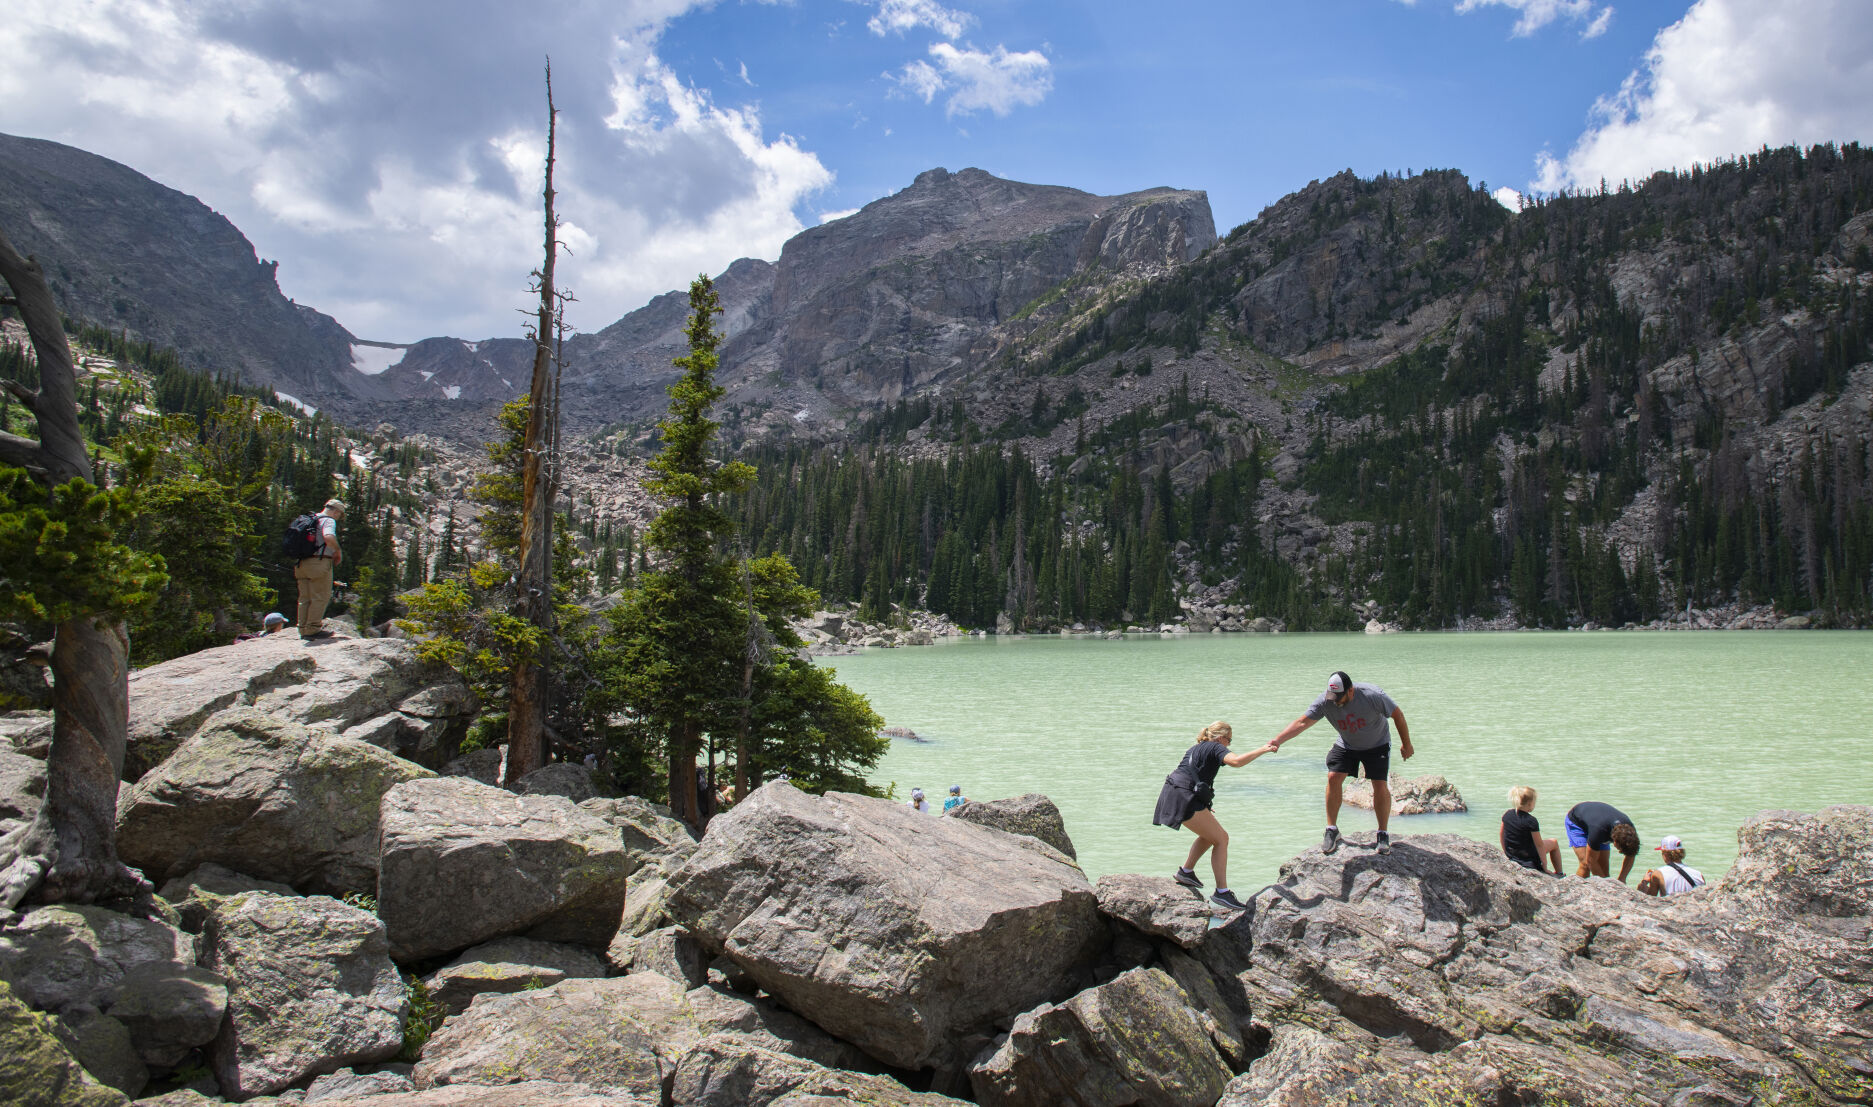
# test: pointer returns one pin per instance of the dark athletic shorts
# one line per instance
(1378, 762)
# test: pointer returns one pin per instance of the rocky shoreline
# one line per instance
(340, 924)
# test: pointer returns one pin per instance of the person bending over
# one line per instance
(1676, 876)
(1520, 833)
(1362, 714)
(1595, 830)
(1188, 799)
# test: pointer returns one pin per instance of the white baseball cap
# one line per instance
(1337, 682)
(1669, 841)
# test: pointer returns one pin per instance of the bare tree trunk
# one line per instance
(68, 853)
(683, 774)
(526, 712)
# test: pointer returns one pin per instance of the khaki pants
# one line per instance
(315, 591)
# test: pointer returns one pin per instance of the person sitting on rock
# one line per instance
(1676, 876)
(274, 623)
(1520, 833)
(957, 799)
(917, 803)
(1594, 830)
(1362, 713)
(1187, 798)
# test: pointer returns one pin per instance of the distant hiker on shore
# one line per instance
(917, 803)
(1520, 833)
(957, 799)
(1594, 830)
(318, 555)
(1363, 715)
(1676, 876)
(1187, 799)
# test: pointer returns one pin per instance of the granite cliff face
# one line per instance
(910, 292)
(122, 251)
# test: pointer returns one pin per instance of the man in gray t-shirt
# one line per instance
(1363, 714)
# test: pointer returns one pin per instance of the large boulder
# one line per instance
(1033, 815)
(652, 835)
(1133, 1040)
(267, 797)
(507, 965)
(102, 1045)
(1155, 905)
(462, 862)
(1446, 968)
(311, 989)
(908, 936)
(73, 957)
(626, 1032)
(533, 1093)
(374, 689)
(561, 778)
(36, 1070)
(22, 785)
(194, 893)
(168, 1009)
(728, 1071)
(1421, 795)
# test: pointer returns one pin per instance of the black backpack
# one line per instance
(302, 539)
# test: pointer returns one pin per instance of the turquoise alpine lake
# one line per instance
(1688, 733)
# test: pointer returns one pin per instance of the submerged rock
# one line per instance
(1443, 971)
(266, 797)
(372, 689)
(942, 928)
(463, 862)
(1033, 815)
(1424, 795)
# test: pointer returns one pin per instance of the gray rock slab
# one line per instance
(903, 934)
(673, 952)
(345, 1084)
(193, 894)
(533, 1093)
(102, 1045)
(652, 836)
(311, 989)
(724, 1071)
(1033, 815)
(462, 862)
(63, 958)
(1133, 1040)
(36, 1070)
(168, 1009)
(507, 965)
(1156, 905)
(22, 785)
(263, 796)
(417, 710)
(561, 778)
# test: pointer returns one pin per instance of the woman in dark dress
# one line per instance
(1186, 800)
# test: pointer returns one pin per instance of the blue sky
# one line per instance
(387, 154)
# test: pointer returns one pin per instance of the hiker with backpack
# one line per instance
(311, 543)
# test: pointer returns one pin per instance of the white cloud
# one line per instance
(977, 80)
(829, 216)
(1730, 77)
(390, 154)
(1533, 15)
(1508, 198)
(899, 16)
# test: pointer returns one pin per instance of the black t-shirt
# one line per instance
(1598, 820)
(1197, 771)
(1517, 826)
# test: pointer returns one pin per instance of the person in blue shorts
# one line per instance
(1362, 713)
(1187, 798)
(1595, 830)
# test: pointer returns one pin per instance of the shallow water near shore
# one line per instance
(1688, 733)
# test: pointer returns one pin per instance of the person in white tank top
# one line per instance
(1674, 876)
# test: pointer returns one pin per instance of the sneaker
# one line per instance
(1330, 841)
(1385, 842)
(1188, 879)
(1227, 899)
(317, 634)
